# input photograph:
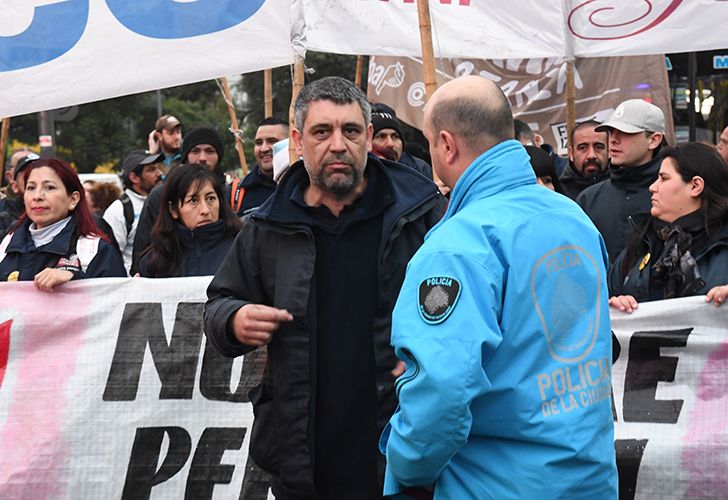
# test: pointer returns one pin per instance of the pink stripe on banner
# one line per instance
(33, 449)
(4, 348)
(705, 444)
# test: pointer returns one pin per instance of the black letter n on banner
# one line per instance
(645, 368)
(176, 362)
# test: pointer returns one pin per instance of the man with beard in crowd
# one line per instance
(250, 192)
(313, 275)
(14, 205)
(388, 140)
(166, 139)
(588, 159)
(140, 175)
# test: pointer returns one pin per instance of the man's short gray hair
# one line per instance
(332, 88)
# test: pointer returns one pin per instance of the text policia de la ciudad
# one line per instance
(577, 386)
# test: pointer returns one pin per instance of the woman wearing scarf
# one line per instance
(683, 249)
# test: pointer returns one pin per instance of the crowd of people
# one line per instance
(427, 314)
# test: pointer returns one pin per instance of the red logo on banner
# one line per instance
(605, 20)
(4, 347)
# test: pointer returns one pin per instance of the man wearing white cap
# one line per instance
(636, 134)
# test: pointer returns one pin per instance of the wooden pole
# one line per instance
(570, 98)
(299, 80)
(234, 126)
(268, 92)
(3, 144)
(428, 55)
(359, 65)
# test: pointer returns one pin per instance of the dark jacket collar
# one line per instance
(21, 241)
(209, 233)
(573, 176)
(408, 190)
(256, 178)
(635, 177)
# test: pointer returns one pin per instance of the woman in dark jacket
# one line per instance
(195, 231)
(56, 240)
(683, 249)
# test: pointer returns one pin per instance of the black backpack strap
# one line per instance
(128, 212)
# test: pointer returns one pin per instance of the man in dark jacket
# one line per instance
(636, 133)
(388, 140)
(251, 192)
(15, 205)
(314, 275)
(588, 159)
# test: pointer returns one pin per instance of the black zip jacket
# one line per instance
(203, 249)
(609, 204)
(272, 262)
(574, 182)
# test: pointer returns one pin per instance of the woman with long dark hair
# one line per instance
(56, 239)
(683, 249)
(194, 229)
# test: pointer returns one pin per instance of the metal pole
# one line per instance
(47, 130)
(692, 76)
(159, 102)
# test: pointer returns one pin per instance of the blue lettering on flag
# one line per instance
(55, 29)
(168, 19)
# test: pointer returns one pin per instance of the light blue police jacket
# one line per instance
(503, 322)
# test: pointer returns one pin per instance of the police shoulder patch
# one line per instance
(437, 298)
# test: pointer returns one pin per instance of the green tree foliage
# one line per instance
(104, 132)
(318, 65)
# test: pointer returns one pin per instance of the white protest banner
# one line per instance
(56, 53)
(670, 386)
(108, 389)
(507, 29)
(536, 88)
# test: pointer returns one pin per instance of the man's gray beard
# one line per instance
(340, 189)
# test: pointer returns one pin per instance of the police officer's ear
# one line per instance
(449, 146)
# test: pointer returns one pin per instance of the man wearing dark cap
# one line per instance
(15, 205)
(166, 138)
(201, 145)
(140, 173)
(616, 206)
(388, 140)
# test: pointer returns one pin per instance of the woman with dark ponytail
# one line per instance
(194, 229)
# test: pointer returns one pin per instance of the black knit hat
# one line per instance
(382, 120)
(201, 135)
